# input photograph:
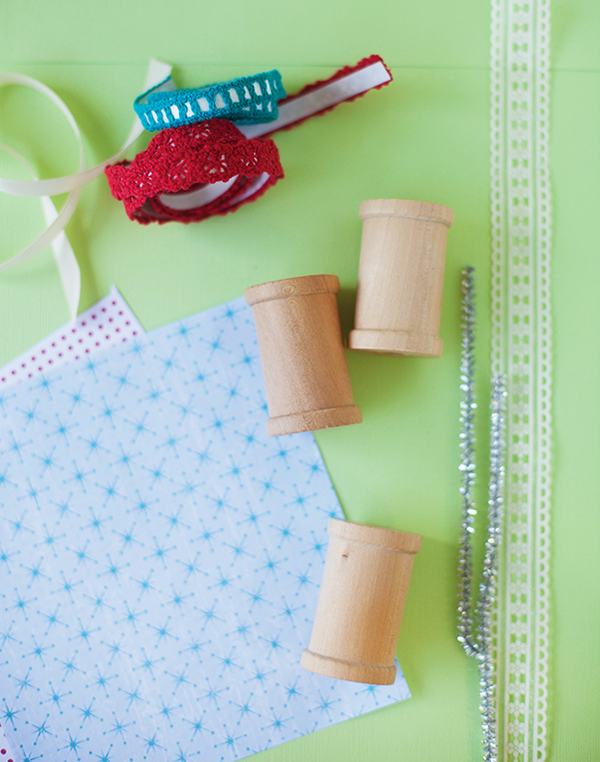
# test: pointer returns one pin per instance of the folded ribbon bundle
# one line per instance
(207, 166)
(176, 197)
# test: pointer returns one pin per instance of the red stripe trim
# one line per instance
(343, 72)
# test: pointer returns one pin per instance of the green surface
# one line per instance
(575, 698)
(425, 137)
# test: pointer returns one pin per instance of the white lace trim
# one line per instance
(521, 348)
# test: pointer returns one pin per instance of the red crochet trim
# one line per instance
(181, 157)
(155, 211)
(343, 72)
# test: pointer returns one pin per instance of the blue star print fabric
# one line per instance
(160, 557)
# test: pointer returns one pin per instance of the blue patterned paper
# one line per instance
(160, 557)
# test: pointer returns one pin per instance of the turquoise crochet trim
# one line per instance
(247, 100)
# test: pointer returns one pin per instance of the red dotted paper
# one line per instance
(107, 323)
(5, 752)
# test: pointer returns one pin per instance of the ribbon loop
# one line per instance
(57, 221)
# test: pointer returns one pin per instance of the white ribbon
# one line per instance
(63, 253)
(54, 234)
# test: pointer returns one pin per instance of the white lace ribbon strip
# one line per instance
(522, 350)
(57, 221)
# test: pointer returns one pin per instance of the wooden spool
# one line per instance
(363, 592)
(302, 353)
(401, 277)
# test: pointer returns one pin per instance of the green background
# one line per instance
(424, 137)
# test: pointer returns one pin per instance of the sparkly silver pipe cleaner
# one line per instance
(475, 632)
(468, 406)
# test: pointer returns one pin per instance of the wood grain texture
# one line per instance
(302, 353)
(361, 603)
(401, 277)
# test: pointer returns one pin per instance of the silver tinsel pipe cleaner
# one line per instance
(475, 631)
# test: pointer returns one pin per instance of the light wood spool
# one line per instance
(302, 353)
(363, 592)
(401, 277)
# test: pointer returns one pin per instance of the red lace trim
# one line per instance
(362, 64)
(155, 211)
(181, 157)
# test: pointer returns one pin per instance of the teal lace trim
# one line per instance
(247, 100)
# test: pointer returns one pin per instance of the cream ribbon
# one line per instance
(54, 234)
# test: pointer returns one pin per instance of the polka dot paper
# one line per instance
(107, 323)
(160, 557)
(5, 753)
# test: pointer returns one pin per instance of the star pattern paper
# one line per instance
(160, 557)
